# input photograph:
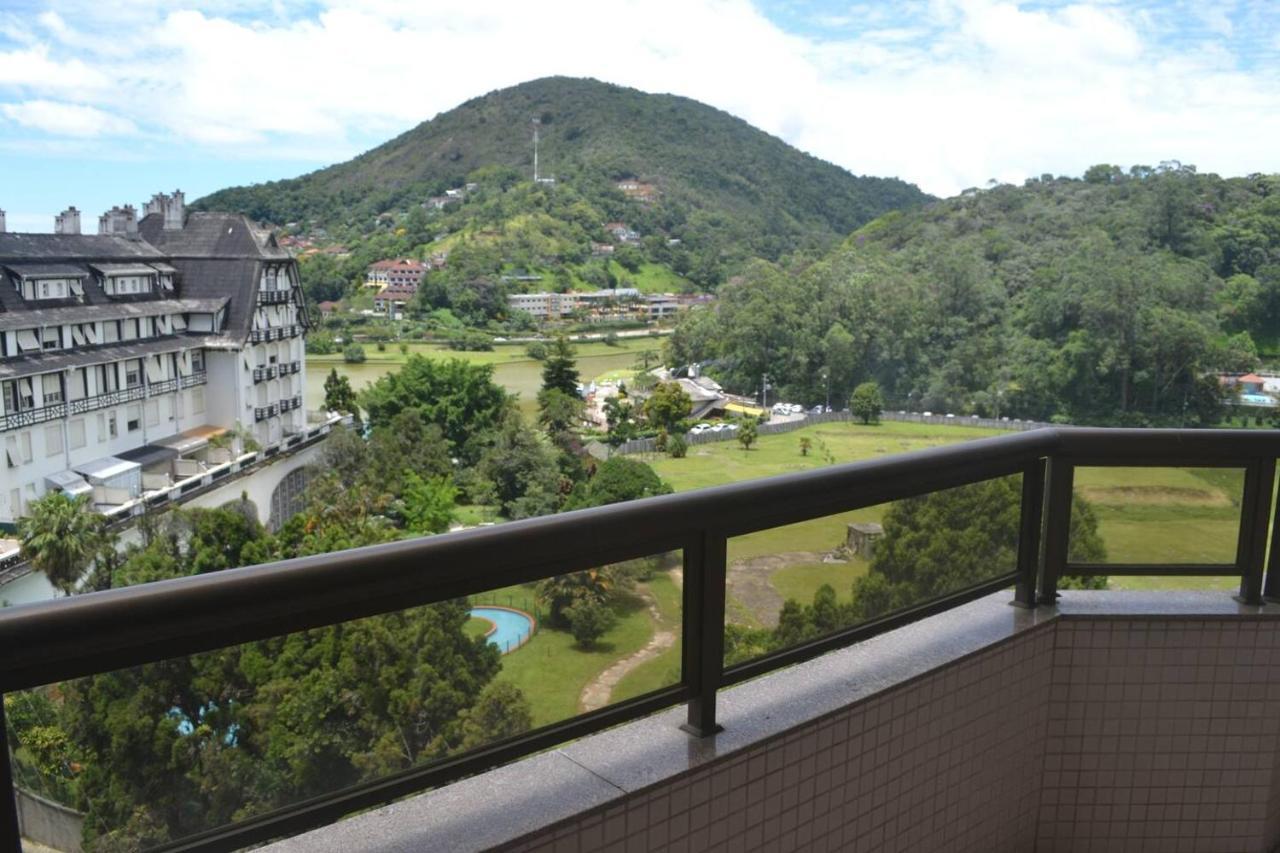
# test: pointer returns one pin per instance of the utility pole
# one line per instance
(764, 391)
(826, 377)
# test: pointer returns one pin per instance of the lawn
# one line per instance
(1144, 514)
(477, 627)
(663, 670)
(552, 670)
(513, 369)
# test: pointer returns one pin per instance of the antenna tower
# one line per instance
(536, 122)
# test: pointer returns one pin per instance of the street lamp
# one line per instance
(826, 377)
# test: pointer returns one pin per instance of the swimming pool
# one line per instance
(511, 628)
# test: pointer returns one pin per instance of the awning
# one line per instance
(106, 468)
(27, 340)
(149, 454)
(191, 440)
(739, 409)
(69, 482)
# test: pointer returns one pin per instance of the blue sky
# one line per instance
(103, 104)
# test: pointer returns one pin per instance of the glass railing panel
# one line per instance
(1162, 515)
(802, 581)
(160, 752)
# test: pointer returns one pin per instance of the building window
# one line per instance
(51, 338)
(51, 388)
(113, 431)
(197, 401)
(53, 439)
(76, 433)
(153, 413)
(197, 360)
(133, 373)
(133, 418)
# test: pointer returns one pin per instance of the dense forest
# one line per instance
(1110, 299)
(724, 189)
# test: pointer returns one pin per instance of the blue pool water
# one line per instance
(1257, 400)
(513, 628)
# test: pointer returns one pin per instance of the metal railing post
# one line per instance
(703, 637)
(10, 835)
(1251, 548)
(1271, 590)
(1029, 533)
(1060, 478)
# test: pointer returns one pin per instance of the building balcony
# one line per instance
(198, 377)
(279, 333)
(996, 714)
(261, 413)
(31, 417)
(163, 386)
(261, 374)
(273, 297)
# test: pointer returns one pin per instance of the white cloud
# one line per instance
(949, 95)
(67, 119)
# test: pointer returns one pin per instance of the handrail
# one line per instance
(42, 643)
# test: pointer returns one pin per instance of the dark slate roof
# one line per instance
(56, 316)
(45, 362)
(47, 270)
(124, 269)
(219, 254)
(74, 247)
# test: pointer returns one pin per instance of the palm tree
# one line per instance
(61, 536)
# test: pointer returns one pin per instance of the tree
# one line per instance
(747, 433)
(460, 398)
(805, 444)
(520, 465)
(588, 619)
(429, 504)
(559, 412)
(61, 536)
(867, 402)
(618, 479)
(618, 415)
(339, 396)
(667, 406)
(677, 447)
(501, 712)
(353, 353)
(559, 371)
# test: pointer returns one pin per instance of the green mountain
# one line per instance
(1114, 298)
(723, 184)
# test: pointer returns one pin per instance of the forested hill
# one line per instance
(722, 181)
(1109, 299)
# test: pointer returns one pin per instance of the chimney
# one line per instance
(175, 214)
(2, 228)
(119, 221)
(67, 222)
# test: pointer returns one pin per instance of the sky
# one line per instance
(107, 103)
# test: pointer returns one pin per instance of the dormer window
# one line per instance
(38, 282)
(127, 279)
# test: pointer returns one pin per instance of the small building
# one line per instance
(862, 538)
(402, 272)
(327, 308)
(393, 299)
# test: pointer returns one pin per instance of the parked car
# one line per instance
(816, 410)
(700, 429)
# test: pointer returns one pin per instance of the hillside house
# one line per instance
(403, 272)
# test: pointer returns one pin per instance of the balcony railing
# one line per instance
(273, 297)
(163, 386)
(31, 417)
(258, 336)
(261, 374)
(288, 367)
(261, 413)
(198, 377)
(106, 400)
(44, 643)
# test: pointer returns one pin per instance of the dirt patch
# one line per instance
(749, 583)
(1153, 496)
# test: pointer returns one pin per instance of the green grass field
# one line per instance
(513, 369)
(552, 670)
(663, 670)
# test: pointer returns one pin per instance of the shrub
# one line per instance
(677, 447)
(588, 621)
(353, 354)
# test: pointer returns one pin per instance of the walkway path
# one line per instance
(598, 691)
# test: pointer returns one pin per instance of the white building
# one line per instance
(124, 354)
